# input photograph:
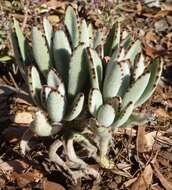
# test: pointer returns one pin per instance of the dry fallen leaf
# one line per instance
(144, 180)
(13, 134)
(161, 13)
(156, 187)
(162, 113)
(126, 131)
(150, 140)
(23, 179)
(59, 6)
(165, 154)
(129, 182)
(49, 185)
(145, 142)
(23, 118)
(2, 183)
(164, 141)
(149, 48)
(165, 183)
(54, 19)
(166, 6)
(13, 166)
(163, 161)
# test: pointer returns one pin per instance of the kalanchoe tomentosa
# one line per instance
(126, 85)
(60, 67)
(56, 71)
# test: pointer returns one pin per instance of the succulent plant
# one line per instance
(56, 71)
(59, 69)
(126, 85)
(55, 68)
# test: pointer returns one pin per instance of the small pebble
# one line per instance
(161, 25)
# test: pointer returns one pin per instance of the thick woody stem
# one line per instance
(79, 163)
(105, 136)
(85, 142)
(55, 158)
(104, 144)
(75, 175)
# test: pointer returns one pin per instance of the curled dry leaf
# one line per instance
(144, 180)
(150, 139)
(149, 41)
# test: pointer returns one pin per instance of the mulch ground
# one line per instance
(142, 155)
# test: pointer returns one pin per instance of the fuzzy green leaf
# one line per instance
(62, 53)
(22, 42)
(95, 100)
(78, 71)
(95, 68)
(40, 51)
(44, 95)
(84, 33)
(136, 90)
(70, 21)
(113, 80)
(136, 119)
(124, 115)
(56, 106)
(48, 32)
(116, 103)
(155, 69)
(76, 107)
(126, 42)
(35, 86)
(54, 81)
(18, 58)
(42, 128)
(105, 115)
(138, 66)
(126, 77)
(90, 32)
(97, 40)
(112, 40)
(133, 51)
